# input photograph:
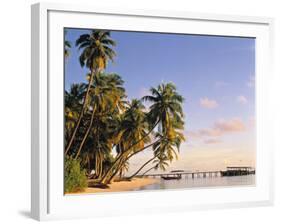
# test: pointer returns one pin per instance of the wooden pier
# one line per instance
(197, 174)
(230, 171)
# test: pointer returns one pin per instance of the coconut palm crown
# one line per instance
(97, 49)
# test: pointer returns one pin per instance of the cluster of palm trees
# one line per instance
(105, 130)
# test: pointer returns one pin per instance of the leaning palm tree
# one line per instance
(133, 128)
(96, 51)
(166, 111)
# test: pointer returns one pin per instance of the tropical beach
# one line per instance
(150, 111)
(119, 186)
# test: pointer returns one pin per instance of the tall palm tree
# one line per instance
(96, 51)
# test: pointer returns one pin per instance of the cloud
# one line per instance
(251, 82)
(219, 128)
(242, 99)
(212, 141)
(207, 103)
(232, 125)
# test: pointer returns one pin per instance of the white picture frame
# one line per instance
(48, 201)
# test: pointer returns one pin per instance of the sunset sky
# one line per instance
(216, 76)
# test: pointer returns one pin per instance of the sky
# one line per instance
(215, 75)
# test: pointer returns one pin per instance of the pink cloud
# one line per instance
(207, 103)
(219, 128)
(232, 125)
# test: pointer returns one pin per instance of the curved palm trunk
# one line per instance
(81, 114)
(96, 166)
(101, 169)
(86, 135)
(110, 170)
(125, 158)
(100, 165)
(142, 167)
(118, 169)
(148, 170)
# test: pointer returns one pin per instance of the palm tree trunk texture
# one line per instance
(86, 135)
(100, 165)
(81, 114)
(96, 166)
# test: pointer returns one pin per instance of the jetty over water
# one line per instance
(238, 171)
(179, 175)
(230, 171)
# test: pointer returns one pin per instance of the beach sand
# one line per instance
(121, 186)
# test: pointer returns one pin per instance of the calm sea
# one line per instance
(201, 182)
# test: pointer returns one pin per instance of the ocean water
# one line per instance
(201, 182)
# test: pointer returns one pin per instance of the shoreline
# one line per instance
(121, 186)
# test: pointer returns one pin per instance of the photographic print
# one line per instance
(157, 111)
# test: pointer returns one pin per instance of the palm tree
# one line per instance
(133, 129)
(96, 51)
(67, 46)
(166, 109)
(166, 113)
(166, 105)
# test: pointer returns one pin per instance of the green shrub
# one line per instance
(75, 178)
